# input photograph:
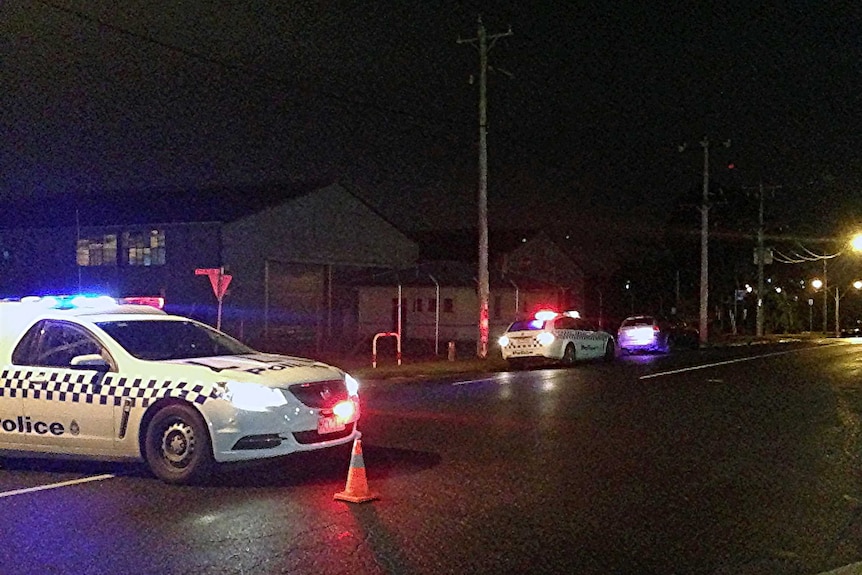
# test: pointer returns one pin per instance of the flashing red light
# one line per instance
(731, 166)
(154, 301)
(545, 315)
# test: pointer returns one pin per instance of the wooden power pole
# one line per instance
(482, 42)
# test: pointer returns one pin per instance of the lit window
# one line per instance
(145, 248)
(97, 251)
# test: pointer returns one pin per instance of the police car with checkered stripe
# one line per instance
(559, 337)
(90, 377)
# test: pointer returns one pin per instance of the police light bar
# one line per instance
(545, 315)
(152, 301)
(66, 302)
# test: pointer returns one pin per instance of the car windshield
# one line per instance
(172, 339)
(528, 325)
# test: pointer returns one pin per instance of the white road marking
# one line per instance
(469, 381)
(57, 485)
(728, 362)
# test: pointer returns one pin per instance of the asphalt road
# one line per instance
(741, 460)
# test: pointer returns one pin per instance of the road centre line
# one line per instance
(57, 485)
(727, 362)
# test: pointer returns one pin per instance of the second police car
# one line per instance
(91, 378)
(560, 337)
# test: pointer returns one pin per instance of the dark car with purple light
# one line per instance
(654, 334)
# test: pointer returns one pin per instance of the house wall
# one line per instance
(330, 227)
(419, 320)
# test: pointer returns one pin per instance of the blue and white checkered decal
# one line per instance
(83, 387)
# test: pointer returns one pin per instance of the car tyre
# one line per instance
(177, 446)
(569, 355)
(610, 350)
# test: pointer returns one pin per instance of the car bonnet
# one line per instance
(267, 369)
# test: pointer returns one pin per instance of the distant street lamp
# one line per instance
(817, 284)
(806, 255)
(810, 315)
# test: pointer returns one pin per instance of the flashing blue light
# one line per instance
(67, 302)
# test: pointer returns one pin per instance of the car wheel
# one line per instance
(569, 356)
(177, 446)
(610, 350)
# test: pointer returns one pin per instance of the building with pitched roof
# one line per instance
(285, 248)
(436, 301)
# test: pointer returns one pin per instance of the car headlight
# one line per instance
(503, 341)
(344, 410)
(352, 384)
(251, 396)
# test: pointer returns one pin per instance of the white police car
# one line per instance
(95, 379)
(560, 337)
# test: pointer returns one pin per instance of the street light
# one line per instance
(806, 255)
(817, 284)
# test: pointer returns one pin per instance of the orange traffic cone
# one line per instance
(356, 490)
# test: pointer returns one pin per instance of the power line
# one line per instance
(243, 69)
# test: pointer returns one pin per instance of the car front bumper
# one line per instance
(242, 435)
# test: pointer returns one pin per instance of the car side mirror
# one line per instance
(90, 361)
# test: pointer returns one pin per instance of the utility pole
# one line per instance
(704, 248)
(760, 259)
(703, 327)
(760, 255)
(482, 42)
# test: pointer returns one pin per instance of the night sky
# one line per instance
(121, 96)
